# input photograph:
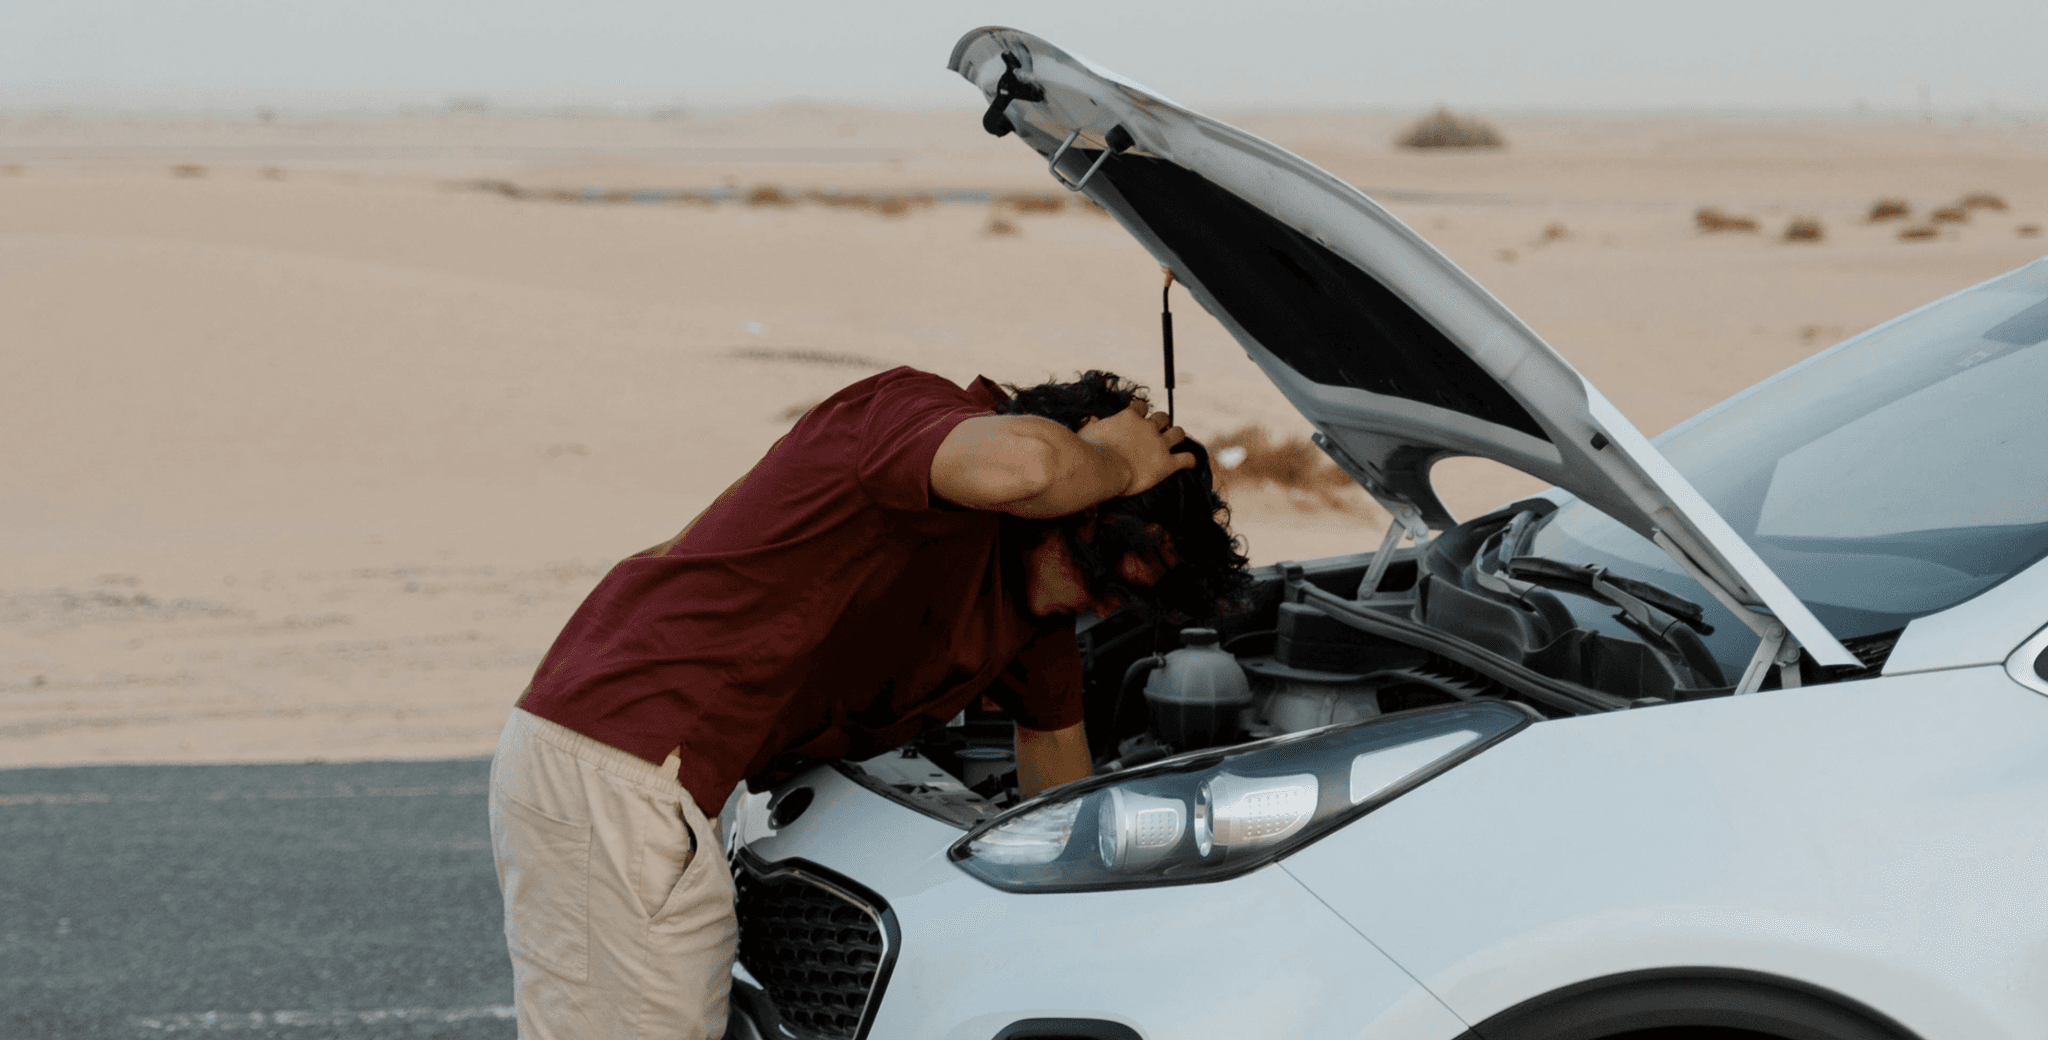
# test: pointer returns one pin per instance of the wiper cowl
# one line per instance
(1613, 588)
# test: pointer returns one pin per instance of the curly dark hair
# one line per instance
(1180, 524)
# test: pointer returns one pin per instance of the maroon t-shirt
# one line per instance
(826, 605)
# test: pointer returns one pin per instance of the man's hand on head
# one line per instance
(1144, 441)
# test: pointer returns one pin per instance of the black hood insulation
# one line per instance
(1317, 311)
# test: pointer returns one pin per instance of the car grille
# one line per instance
(817, 949)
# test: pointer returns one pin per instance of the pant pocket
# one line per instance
(547, 889)
(672, 862)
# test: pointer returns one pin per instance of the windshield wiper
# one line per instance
(1635, 598)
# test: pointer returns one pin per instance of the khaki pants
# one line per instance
(618, 902)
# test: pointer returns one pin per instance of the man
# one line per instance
(906, 549)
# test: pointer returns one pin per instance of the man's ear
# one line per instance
(1148, 568)
(1167, 554)
(1140, 570)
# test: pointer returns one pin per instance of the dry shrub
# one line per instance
(999, 227)
(1889, 209)
(2029, 230)
(1556, 232)
(564, 195)
(1295, 464)
(797, 410)
(13, 169)
(271, 173)
(1983, 200)
(188, 170)
(1506, 256)
(1804, 229)
(1919, 233)
(505, 188)
(839, 199)
(1707, 218)
(767, 195)
(887, 205)
(1026, 202)
(1949, 215)
(1444, 128)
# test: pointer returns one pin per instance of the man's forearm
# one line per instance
(1079, 473)
(1047, 758)
(1026, 466)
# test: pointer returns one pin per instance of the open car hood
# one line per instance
(1396, 356)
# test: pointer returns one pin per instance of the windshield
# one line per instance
(1894, 475)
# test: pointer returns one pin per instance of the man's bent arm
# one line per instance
(1047, 758)
(1033, 467)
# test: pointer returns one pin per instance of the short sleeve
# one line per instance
(908, 417)
(1041, 688)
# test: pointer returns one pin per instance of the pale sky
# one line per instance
(1970, 55)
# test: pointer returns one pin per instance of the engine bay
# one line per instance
(1465, 616)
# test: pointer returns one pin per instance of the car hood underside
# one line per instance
(1394, 354)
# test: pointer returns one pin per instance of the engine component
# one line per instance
(1196, 694)
(1296, 706)
(1311, 640)
(979, 764)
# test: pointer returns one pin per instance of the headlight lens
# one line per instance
(1216, 814)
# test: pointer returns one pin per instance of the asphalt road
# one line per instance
(293, 901)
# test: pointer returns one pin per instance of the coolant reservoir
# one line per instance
(1196, 695)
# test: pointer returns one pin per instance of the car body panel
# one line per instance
(1439, 368)
(1814, 834)
(1984, 629)
(1259, 956)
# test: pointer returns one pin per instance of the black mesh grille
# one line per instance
(816, 952)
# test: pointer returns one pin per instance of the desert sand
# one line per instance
(310, 444)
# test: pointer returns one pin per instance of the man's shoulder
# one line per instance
(906, 382)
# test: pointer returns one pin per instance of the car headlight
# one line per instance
(1214, 814)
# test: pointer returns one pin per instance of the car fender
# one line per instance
(1878, 840)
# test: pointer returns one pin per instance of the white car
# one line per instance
(1742, 735)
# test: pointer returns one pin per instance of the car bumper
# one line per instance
(1255, 955)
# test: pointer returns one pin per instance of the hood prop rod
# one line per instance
(1166, 337)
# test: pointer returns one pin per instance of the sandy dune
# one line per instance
(309, 455)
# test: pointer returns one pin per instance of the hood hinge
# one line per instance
(1009, 88)
(1407, 518)
(1777, 645)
